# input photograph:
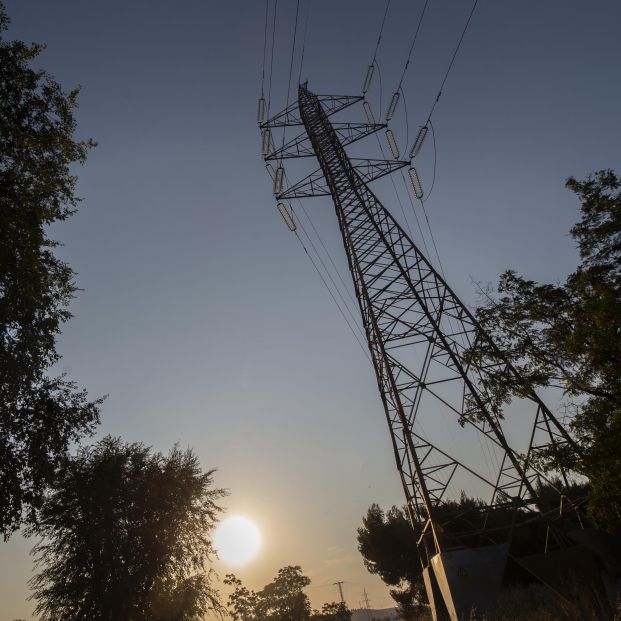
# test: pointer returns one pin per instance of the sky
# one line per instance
(201, 317)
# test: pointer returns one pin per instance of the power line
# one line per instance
(308, 3)
(267, 6)
(407, 62)
(336, 269)
(461, 38)
(336, 287)
(269, 93)
(323, 280)
(435, 159)
(295, 33)
(379, 37)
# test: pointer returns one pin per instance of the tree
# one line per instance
(126, 536)
(40, 416)
(568, 336)
(332, 611)
(387, 543)
(283, 599)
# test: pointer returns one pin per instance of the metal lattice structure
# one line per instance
(418, 331)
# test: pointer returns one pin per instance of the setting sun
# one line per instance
(237, 540)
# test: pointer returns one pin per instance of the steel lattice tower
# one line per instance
(418, 335)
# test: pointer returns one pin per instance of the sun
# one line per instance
(237, 540)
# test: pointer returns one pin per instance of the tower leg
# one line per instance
(436, 601)
(470, 579)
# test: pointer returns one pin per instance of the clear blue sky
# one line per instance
(202, 319)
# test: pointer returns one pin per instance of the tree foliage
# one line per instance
(127, 537)
(283, 599)
(387, 543)
(332, 611)
(39, 415)
(568, 336)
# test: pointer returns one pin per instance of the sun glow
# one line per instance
(237, 540)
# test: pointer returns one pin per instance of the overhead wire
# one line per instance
(306, 19)
(303, 229)
(407, 62)
(269, 92)
(336, 269)
(461, 38)
(323, 280)
(435, 159)
(394, 186)
(379, 37)
(334, 284)
(295, 33)
(267, 6)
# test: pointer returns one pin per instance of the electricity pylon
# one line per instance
(418, 334)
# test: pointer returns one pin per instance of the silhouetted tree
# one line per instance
(40, 416)
(127, 537)
(387, 543)
(332, 611)
(283, 599)
(568, 336)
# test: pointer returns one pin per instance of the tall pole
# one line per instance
(339, 584)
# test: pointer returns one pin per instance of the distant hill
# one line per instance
(366, 615)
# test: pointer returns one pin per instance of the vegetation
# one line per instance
(568, 336)
(387, 543)
(40, 415)
(283, 599)
(127, 536)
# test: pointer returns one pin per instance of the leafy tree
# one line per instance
(387, 543)
(283, 599)
(40, 416)
(568, 336)
(126, 536)
(332, 611)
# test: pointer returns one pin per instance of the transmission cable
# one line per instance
(295, 32)
(379, 37)
(336, 269)
(461, 38)
(323, 280)
(308, 3)
(407, 62)
(269, 92)
(352, 314)
(267, 6)
(435, 159)
(334, 284)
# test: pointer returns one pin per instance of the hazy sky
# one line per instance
(202, 318)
